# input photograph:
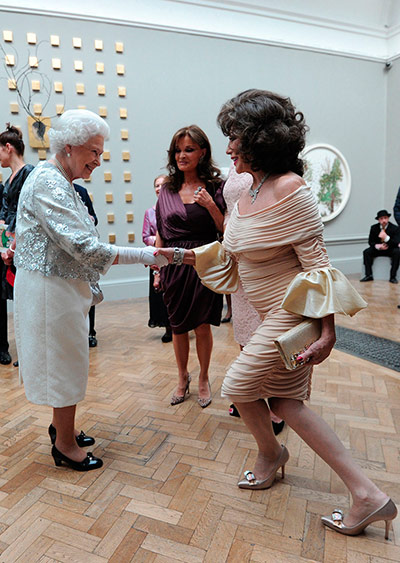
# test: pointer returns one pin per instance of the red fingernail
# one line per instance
(300, 358)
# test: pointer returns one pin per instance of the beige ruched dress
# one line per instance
(282, 262)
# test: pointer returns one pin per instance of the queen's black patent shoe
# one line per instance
(90, 462)
(82, 440)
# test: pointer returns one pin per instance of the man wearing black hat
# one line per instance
(384, 239)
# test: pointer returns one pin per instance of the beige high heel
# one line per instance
(176, 399)
(250, 482)
(205, 402)
(387, 512)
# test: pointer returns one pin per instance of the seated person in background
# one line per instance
(85, 197)
(384, 238)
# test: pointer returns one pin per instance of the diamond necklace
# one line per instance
(254, 193)
(61, 169)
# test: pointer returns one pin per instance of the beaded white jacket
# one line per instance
(55, 234)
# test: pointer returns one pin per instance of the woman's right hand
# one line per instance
(167, 252)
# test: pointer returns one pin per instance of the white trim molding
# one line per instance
(362, 32)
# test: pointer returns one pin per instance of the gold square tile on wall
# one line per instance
(123, 113)
(35, 85)
(12, 85)
(33, 62)
(112, 238)
(9, 60)
(76, 42)
(14, 107)
(121, 91)
(58, 87)
(100, 67)
(31, 38)
(101, 90)
(42, 154)
(128, 196)
(129, 217)
(80, 88)
(110, 218)
(124, 134)
(56, 64)
(37, 109)
(107, 178)
(131, 237)
(119, 47)
(103, 112)
(120, 69)
(59, 109)
(98, 44)
(54, 40)
(127, 178)
(81, 107)
(106, 155)
(7, 36)
(109, 197)
(78, 66)
(88, 180)
(126, 155)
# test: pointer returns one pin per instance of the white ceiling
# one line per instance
(358, 28)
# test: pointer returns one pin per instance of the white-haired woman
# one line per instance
(58, 256)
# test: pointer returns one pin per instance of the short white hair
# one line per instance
(75, 127)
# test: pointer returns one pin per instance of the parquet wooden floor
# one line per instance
(167, 491)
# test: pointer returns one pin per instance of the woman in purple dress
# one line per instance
(190, 212)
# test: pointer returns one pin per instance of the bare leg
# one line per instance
(256, 416)
(64, 422)
(204, 345)
(323, 440)
(228, 308)
(181, 349)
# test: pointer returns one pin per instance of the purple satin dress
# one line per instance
(189, 303)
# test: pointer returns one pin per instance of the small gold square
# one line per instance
(77, 42)
(129, 217)
(126, 155)
(88, 180)
(110, 218)
(36, 85)
(121, 91)
(109, 197)
(81, 107)
(42, 154)
(119, 47)
(60, 109)
(111, 238)
(78, 66)
(33, 62)
(131, 237)
(103, 112)
(58, 87)
(1, 177)
(127, 178)
(31, 38)
(80, 88)
(106, 155)
(12, 85)
(90, 193)
(120, 69)
(8, 36)
(56, 64)
(101, 90)
(9, 60)
(124, 134)
(123, 113)
(54, 40)
(98, 44)
(37, 109)
(14, 107)
(107, 176)
(99, 67)
(128, 196)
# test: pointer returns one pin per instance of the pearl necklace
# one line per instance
(61, 169)
(254, 193)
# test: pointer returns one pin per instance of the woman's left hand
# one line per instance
(318, 352)
(203, 198)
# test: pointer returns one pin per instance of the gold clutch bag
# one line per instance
(296, 340)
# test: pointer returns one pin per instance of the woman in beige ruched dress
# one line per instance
(274, 242)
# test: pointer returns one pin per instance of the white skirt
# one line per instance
(51, 332)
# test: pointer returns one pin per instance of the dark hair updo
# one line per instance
(270, 130)
(207, 171)
(13, 137)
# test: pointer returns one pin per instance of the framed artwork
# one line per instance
(328, 175)
(38, 128)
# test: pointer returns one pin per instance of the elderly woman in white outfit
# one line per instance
(58, 256)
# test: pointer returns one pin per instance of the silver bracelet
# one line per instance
(179, 254)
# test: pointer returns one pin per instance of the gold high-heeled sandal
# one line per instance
(176, 399)
(387, 512)
(250, 482)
